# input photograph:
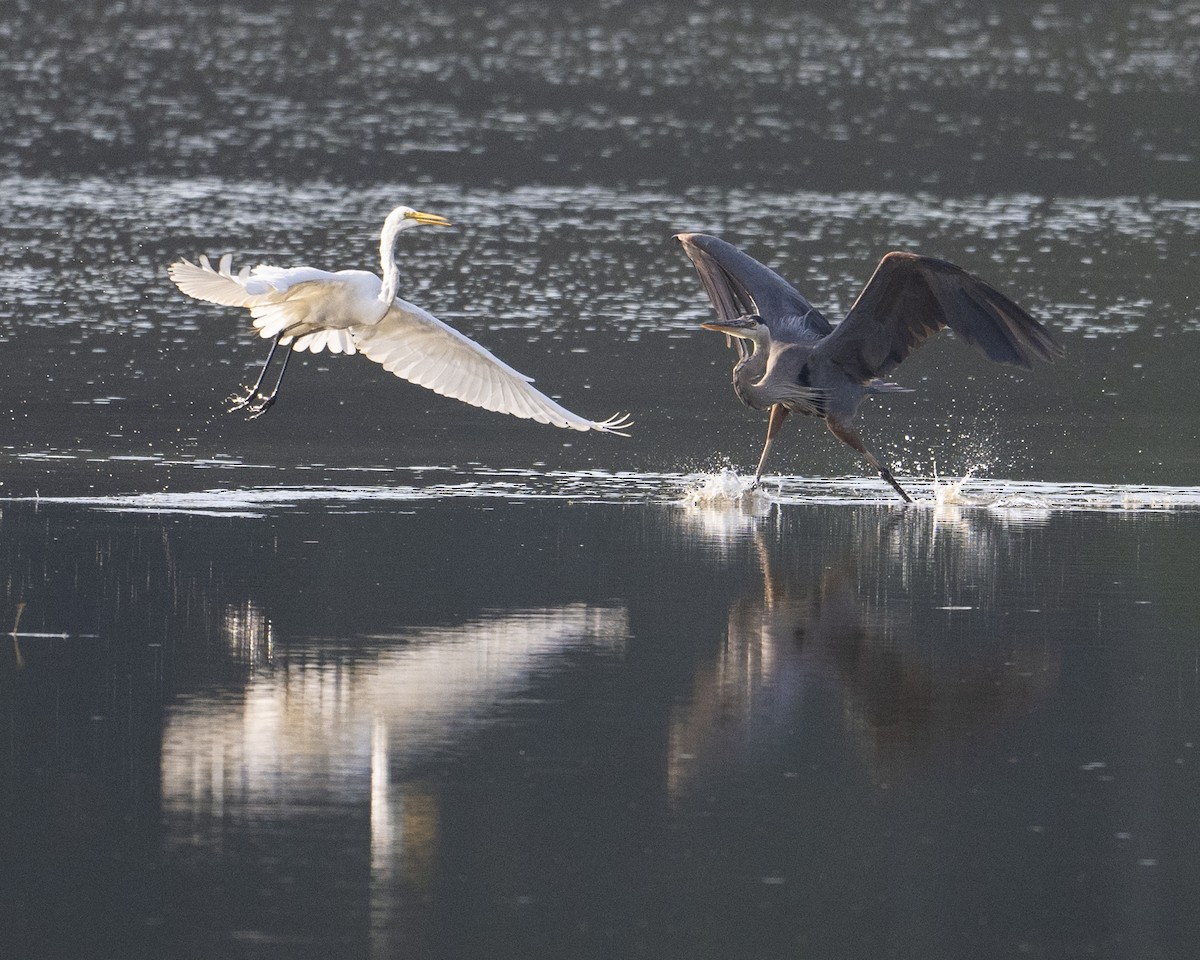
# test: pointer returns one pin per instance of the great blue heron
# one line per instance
(798, 361)
(302, 308)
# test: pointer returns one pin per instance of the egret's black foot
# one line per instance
(237, 401)
(257, 409)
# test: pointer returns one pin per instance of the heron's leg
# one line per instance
(778, 414)
(845, 433)
(263, 404)
(239, 400)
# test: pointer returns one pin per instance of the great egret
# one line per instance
(798, 361)
(302, 308)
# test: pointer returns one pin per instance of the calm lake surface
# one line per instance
(381, 675)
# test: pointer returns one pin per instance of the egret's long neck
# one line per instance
(748, 371)
(387, 264)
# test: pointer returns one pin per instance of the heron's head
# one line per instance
(749, 326)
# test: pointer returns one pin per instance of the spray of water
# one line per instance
(948, 492)
(724, 488)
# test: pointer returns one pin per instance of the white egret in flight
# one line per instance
(354, 311)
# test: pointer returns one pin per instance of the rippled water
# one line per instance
(124, 380)
(722, 492)
(1079, 98)
(382, 675)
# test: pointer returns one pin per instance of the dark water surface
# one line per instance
(381, 675)
(456, 727)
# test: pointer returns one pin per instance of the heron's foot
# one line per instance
(260, 406)
(237, 401)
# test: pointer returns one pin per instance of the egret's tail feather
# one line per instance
(202, 282)
(264, 291)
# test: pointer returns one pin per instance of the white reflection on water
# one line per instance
(824, 250)
(297, 729)
(717, 493)
(247, 632)
(322, 729)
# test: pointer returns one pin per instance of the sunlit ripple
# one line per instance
(714, 494)
(610, 226)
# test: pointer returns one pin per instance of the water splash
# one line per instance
(949, 498)
(949, 493)
(725, 488)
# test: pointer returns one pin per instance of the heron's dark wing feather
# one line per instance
(910, 298)
(738, 284)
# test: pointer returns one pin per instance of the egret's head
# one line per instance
(404, 217)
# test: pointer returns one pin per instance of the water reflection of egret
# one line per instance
(16, 637)
(303, 308)
(335, 729)
(319, 731)
(247, 631)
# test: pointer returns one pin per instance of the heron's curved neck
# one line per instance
(746, 374)
(387, 264)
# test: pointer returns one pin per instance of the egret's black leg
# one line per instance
(778, 414)
(263, 404)
(239, 400)
(845, 433)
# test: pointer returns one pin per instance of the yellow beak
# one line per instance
(430, 218)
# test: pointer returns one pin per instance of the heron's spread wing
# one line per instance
(309, 304)
(910, 298)
(737, 284)
(419, 347)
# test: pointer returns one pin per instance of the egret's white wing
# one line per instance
(279, 298)
(419, 347)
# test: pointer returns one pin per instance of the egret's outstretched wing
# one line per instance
(737, 284)
(419, 347)
(910, 298)
(304, 301)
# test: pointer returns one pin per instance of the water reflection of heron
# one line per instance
(850, 628)
(302, 308)
(798, 361)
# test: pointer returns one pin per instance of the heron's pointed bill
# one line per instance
(739, 327)
(432, 219)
